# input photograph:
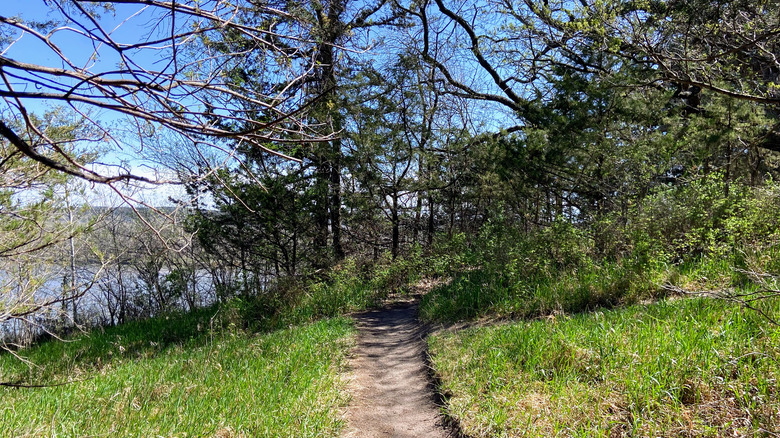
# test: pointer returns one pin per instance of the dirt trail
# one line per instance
(391, 396)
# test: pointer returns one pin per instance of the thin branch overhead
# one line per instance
(161, 66)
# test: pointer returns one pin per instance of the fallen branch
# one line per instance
(45, 385)
(743, 298)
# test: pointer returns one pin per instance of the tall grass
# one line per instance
(185, 375)
(351, 286)
(683, 368)
(485, 293)
(264, 366)
(588, 355)
(503, 291)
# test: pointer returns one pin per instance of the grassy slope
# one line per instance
(682, 368)
(227, 372)
(182, 377)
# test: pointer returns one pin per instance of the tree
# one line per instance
(334, 28)
(114, 290)
(261, 225)
(390, 131)
(35, 203)
(131, 72)
(334, 23)
(149, 64)
(726, 47)
(574, 78)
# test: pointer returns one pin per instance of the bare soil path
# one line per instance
(391, 391)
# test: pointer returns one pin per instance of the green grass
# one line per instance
(268, 366)
(480, 293)
(189, 375)
(347, 287)
(683, 368)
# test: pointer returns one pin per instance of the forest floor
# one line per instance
(391, 390)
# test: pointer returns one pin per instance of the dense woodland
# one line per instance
(524, 138)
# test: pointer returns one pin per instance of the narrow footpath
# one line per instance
(391, 395)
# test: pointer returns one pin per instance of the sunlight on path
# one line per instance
(391, 396)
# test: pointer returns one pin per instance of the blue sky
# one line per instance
(80, 50)
(77, 47)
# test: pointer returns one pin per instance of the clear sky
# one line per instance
(69, 37)
(126, 24)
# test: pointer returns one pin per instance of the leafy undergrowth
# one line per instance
(351, 286)
(200, 374)
(687, 367)
(496, 291)
(480, 293)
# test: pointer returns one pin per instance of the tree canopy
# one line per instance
(308, 132)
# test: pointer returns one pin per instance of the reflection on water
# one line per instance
(33, 304)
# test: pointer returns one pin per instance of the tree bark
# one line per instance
(394, 219)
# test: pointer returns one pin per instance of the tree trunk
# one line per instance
(329, 169)
(321, 213)
(335, 197)
(394, 219)
(431, 219)
(417, 219)
(72, 255)
(727, 175)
